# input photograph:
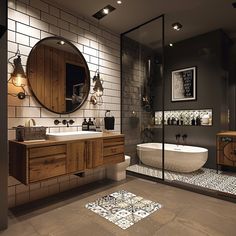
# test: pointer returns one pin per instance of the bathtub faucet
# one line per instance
(184, 137)
(177, 136)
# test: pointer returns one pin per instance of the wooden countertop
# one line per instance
(227, 133)
(38, 143)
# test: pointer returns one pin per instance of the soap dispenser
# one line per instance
(85, 125)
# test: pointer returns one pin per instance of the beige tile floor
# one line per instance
(183, 213)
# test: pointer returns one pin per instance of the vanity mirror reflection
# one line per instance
(58, 75)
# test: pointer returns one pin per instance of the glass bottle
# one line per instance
(85, 125)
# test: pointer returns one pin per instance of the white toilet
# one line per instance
(118, 171)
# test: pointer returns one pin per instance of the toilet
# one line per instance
(117, 171)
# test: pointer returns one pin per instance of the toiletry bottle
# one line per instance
(90, 123)
(168, 121)
(193, 121)
(173, 121)
(85, 125)
(181, 120)
(177, 121)
(198, 120)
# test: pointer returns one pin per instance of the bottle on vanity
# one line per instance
(85, 125)
(91, 125)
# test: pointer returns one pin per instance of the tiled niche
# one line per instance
(201, 117)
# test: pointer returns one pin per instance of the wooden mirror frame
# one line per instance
(84, 64)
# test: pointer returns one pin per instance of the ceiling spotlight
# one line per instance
(106, 11)
(177, 26)
(171, 44)
(119, 2)
(61, 42)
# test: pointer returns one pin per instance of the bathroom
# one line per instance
(136, 91)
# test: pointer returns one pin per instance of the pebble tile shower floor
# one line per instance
(204, 177)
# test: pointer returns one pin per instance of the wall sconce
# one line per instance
(96, 98)
(18, 75)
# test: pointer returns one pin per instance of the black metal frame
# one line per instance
(162, 75)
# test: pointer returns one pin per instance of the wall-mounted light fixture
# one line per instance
(177, 26)
(18, 76)
(96, 98)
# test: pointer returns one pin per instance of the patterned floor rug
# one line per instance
(207, 178)
(123, 208)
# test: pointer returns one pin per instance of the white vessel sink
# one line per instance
(62, 136)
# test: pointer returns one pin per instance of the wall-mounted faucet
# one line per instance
(177, 136)
(68, 122)
(184, 137)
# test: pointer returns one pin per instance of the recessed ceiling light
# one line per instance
(61, 42)
(104, 12)
(171, 44)
(119, 2)
(177, 26)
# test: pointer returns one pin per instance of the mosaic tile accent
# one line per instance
(204, 177)
(123, 208)
(185, 115)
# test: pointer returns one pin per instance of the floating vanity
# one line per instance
(40, 160)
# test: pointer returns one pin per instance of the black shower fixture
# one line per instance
(103, 12)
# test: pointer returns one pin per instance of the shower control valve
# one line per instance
(184, 136)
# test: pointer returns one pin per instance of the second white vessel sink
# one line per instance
(62, 136)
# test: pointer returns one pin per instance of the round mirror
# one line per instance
(58, 75)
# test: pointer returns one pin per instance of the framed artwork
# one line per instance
(183, 84)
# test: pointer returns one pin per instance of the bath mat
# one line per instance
(123, 208)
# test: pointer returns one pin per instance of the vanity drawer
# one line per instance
(113, 150)
(47, 167)
(113, 142)
(47, 151)
(114, 159)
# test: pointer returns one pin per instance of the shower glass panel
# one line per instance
(142, 95)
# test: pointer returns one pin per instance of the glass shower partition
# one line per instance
(142, 95)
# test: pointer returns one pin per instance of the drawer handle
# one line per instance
(113, 150)
(48, 162)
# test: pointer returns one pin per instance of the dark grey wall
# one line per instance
(3, 119)
(206, 52)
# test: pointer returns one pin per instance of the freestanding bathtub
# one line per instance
(177, 157)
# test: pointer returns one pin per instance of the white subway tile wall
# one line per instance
(28, 22)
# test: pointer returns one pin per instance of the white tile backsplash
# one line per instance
(32, 20)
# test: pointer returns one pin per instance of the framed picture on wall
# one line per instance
(183, 84)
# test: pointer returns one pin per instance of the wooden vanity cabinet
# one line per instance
(37, 161)
(113, 151)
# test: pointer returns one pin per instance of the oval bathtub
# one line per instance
(177, 158)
